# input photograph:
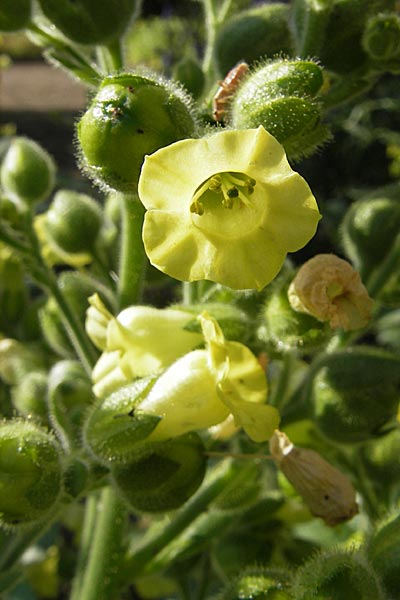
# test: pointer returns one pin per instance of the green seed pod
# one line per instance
(280, 96)
(29, 395)
(256, 33)
(27, 171)
(349, 408)
(337, 575)
(283, 329)
(90, 21)
(259, 584)
(114, 427)
(163, 475)
(131, 115)
(381, 38)
(30, 473)
(73, 221)
(383, 550)
(69, 395)
(369, 230)
(14, 14)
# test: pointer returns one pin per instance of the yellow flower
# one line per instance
(140, 341)
(226, 208)
(204, 387)
(328, 288)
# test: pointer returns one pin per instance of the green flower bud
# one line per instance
(30, 473)
(190, 74)
(90, 21)
(280, 96)
(132, 115)
(259, 584)
(73, 221)
(348, 408)
(342, 50)
(381, 38)
(369, 230)
(76, 288)
(14, 14)
(29, 395)
(283, 329)
(258, 32)
(383, 551)
(162, 476)
(114, 426)
(337, 575)
(27, 171)
(18, 359)
(69, 395)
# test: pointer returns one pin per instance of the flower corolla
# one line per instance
(204, 387)
(225, 208)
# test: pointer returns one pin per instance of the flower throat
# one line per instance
(225, 188)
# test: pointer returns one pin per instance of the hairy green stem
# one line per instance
(84, 547)
(106, 549)
(133, 259)
(278, 397)
(381, 274)
(110, 56)
(136, 563)
(215, 14)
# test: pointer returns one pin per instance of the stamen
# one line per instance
(229, 185)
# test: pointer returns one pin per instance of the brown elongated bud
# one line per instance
(327, 492)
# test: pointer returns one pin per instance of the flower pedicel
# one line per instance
(226, 208)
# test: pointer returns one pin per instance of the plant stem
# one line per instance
(214, 18)
(133, 258)
(278, 397)
(110, 56)
(84, 547)
(106, 549)
(155, 542)
(380, 276)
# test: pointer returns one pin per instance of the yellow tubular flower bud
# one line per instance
(328, 288)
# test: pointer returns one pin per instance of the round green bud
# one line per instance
(337, 575)
(69, 395)
(369, 230)
(190, 74)
(163, 475)
(90, 21)
(30, 473)
(280, 96)
(383, 551)
(349, 408)
(27, 171)
(381, 38)
(259, 584)
(74, 221)
(253, 34)
(132, 115)
(29, 395)
(14, 14)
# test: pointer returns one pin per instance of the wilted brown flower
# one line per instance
(327, 492)
(328, 288)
